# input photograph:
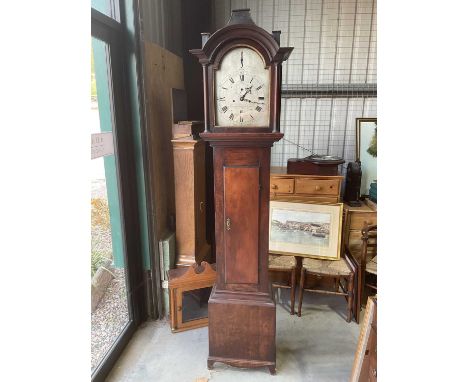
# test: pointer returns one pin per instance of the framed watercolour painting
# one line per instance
(306, 229)
(366, 151)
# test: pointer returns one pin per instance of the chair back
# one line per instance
(369, 242)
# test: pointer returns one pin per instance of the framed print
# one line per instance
(366, 151)
(306, 229)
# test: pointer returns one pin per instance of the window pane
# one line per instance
(108, 7)
(109, 303)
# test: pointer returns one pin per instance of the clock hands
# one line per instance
(242, 59)
(247, 90)
(246, 99)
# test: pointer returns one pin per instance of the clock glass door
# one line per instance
(242, 90)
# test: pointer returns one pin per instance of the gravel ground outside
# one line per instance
(111, 315)
(109, 319)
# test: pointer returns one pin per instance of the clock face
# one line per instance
(242, 90)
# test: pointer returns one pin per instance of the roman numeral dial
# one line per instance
(242, 90)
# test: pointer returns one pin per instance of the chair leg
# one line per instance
(358, 296)
(301, 292)
(350, 296)
(293, 289)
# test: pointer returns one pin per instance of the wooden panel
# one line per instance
(358, 219)
(189, 173)
(242, 332)
(317, 186)
(282, 185)
(162, 71)
(184, 195)
(241, 210)
(354, 238)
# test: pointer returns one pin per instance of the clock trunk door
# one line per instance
(241, 226)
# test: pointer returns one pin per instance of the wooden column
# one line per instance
(190, 191)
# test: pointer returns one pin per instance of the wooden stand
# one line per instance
(185, 280)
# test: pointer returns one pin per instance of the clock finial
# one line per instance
(204, 38)
(240, 16)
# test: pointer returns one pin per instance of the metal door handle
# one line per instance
(228, 224)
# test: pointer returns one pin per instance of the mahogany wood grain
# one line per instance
(241, 219)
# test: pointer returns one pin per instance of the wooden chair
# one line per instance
(284, 264)
(342, 273)
(365, 257)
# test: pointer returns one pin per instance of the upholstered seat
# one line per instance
(327, 267)
(281, 262)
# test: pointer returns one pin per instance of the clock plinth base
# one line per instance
(242, 329)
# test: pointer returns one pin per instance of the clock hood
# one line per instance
(241, 27)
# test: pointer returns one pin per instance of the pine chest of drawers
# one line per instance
(317, 188)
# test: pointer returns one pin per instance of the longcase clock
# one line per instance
(242, 93)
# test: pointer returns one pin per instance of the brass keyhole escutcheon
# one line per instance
(228, 224)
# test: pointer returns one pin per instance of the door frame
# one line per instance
(111, 32)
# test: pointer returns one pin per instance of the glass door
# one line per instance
(116, 255)
(109, 297)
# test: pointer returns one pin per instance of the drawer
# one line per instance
(358, 219)
(317, 186)
(282, 185)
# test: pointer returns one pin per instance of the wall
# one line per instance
(162, 24)
(163, 71)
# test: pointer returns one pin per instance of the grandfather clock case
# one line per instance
(242, 93)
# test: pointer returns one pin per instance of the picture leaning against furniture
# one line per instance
(366, 151)
(306, 229)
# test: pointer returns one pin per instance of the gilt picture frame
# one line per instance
(366, 151)
(306, 229)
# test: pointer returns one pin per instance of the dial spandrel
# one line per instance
(242, 90)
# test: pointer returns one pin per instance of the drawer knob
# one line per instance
(318, 188)
(274, 187)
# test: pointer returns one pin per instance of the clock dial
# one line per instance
(242, 90)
